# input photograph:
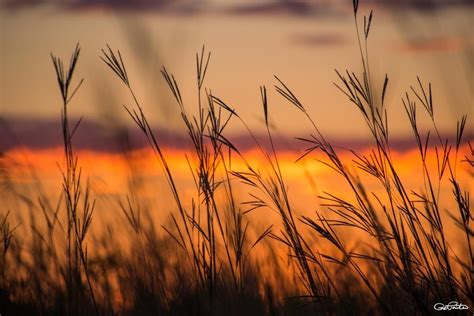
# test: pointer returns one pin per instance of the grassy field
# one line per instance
(209, 257)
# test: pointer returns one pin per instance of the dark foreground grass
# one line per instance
(211, 259)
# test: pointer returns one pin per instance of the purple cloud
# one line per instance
(326, 39)
(46, 134)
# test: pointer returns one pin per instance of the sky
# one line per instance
(302, 42)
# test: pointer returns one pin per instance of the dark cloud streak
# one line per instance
(430, 45)
(185, 6)
(324, 39)
(46, 134)
(275, 7)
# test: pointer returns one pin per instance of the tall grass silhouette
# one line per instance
(210, 258)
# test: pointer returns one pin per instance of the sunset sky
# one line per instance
(300, 41)
(306, 206)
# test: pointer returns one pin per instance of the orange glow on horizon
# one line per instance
(112, 170)
(48, 161)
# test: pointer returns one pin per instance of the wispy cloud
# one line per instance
(46, 134)
(431, 45)
(233, 7)
(323, 39)
(274, 7)
(423, 5)
(43, 134)
(120, 5)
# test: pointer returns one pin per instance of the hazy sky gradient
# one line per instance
(301, 42)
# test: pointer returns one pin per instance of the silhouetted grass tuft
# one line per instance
(208, 257)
